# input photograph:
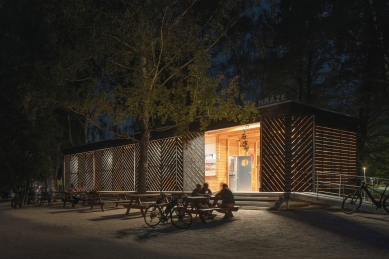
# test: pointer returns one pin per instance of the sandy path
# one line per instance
(310, 232)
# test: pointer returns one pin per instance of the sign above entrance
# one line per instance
(272, 99)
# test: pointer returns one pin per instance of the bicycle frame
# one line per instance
(378, 204)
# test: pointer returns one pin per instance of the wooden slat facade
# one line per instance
(115, 169)
(335, 153)
(289, 144)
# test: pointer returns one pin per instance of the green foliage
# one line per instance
(145, 60)
(152, 62)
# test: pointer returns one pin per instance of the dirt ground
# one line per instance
(300, 232)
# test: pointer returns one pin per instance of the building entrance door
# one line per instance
(244, 169)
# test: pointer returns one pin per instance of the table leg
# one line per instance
(129, 206)
(101, 204)
(93, 201)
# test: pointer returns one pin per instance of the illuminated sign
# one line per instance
(272, 99)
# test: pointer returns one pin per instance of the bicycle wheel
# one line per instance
(386, 204)
(153, 215)
(181, 217)
(193, 211)
(351, 203)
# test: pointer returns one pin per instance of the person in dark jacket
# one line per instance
(205, 190)
(196, 192)
(228, 200)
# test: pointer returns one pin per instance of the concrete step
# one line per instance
(366, 206)
(254, 203)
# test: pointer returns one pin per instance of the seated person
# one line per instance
(205, 189)
(72, 188)
(228, 200)
(84, 193)
(196, 192)
(72, 191)
(51, 193)
(82, 187)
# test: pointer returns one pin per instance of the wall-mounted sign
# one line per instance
(272, 99)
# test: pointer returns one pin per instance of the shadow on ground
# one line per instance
(374, 234)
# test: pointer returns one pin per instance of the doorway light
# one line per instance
(237, 128)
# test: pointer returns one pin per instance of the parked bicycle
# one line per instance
(353, 201)
(174, 210)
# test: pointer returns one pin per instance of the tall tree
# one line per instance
(144, 60)
(362, 44)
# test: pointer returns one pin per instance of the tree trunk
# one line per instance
(143, 164)
(24, 193)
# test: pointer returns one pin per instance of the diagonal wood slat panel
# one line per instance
(67, 169)
(117, 169)
(302, 153)
(273, 154)
(80, 177)
(98, 158)
(89, 176)
(172, 164)
(193, 160)
(137, 160)
(154, 175)
(107, 169)
(73, 173)
(130, 163)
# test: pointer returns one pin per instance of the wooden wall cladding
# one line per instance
(228, 144)
(273, 136)
(335, 153)
(115, 169)
(301, 163)
(130, 165)
(194, 157)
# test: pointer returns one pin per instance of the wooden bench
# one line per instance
(121, 202)
(126, 202)
(135, 206)
(45, 199)
(221, 210)
(68, 199)
(88, 200)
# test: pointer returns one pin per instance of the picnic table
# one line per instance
(135, 201)
(128, 200)
(68, 197)
(96, 198)
(196, 201)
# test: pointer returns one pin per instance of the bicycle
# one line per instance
(353, 201)
(179, 216)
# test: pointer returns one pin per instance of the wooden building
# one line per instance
(282, 151)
